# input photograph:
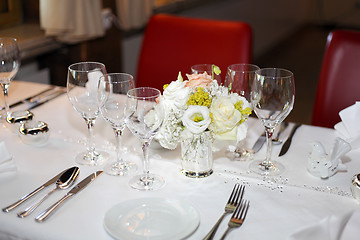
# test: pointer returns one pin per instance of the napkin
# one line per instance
(342, 227)
(349, 127)
(6, 162)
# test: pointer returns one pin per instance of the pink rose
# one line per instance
(198, 80)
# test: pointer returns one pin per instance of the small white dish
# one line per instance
(151, 219)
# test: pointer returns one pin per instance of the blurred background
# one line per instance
(53, 34)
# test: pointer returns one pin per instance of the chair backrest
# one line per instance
(172, 44)
(339, 81)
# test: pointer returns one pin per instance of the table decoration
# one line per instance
(325, 165)
(197, 111)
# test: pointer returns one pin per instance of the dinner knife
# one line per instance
(80, 186)
(259, 143)
(24, 101)
(47, 98)
(287, 143)
(262, 139)
(26, 197)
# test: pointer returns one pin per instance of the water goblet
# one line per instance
(9, 66)
(208, 68)
(82, 85)
(272, 97)
(144, 117)
(239, 79)
(112, 98)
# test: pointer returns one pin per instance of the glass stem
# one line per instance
(145, 148)
(5, 87)
(269, 133)
(90, 141)
(118, 133)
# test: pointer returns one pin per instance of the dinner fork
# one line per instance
(238, 217)
(234, 199)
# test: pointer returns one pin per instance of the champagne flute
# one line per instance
(239, 78)
(201, 68)
(82, 84)
(112, 98)
(9, 66)
(273, 95)
(144, 117)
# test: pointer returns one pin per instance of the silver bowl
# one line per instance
(355, 186)
(15, 119)
(34, 132)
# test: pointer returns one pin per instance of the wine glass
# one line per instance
(82, 84)
(9, 66)
(239, 78)
(144, 117)
(272, 97)
(201, 68)
(112, 98)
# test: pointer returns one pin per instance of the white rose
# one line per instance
(196, 118)
(225, 118)
(177, 94)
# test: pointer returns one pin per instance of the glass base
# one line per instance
(147, 182)
(242, 154)
(92, 159)
(120, 169)
(197, 174)
(266, 168)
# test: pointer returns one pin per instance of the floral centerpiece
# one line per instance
(199, 109)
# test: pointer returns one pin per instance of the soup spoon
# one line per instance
(64, 181)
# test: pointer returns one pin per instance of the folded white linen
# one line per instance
(349, 127)
(343, 227)
(6, 161)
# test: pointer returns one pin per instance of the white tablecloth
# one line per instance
(280, 205)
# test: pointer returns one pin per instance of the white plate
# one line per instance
(151, 219)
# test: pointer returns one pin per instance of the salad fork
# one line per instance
(234, 199)
(238, 217)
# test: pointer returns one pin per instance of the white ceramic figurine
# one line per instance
(325, 165)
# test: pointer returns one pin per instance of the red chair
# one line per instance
(172, 44)
(339, 82)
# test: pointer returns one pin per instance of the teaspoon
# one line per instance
(64, 181)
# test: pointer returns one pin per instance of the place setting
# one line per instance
(193, 117)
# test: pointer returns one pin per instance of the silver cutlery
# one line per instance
(233, 201)
(24, 101)
(63, 182)
(26, 197)
(44, 99)
(238, 217)
(262, 139)
(80, 186)
(283, 126)
(287, 143)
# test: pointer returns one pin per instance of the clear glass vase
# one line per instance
(196, 155)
